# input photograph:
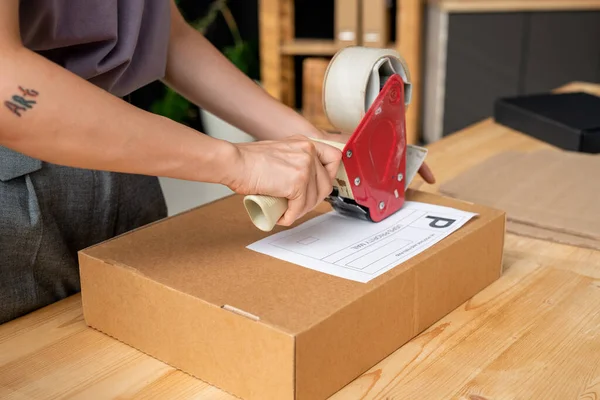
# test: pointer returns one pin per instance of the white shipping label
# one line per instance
(360, 250)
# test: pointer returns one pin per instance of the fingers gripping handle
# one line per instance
(265, 211)
(352, 81)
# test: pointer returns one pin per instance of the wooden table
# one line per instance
(533, 334)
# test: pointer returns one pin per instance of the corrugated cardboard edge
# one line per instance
(148, 225)
(208, 357)
(368, 355)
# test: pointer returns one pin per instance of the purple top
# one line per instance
(118, 45)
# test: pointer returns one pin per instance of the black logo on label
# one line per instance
(439, 222)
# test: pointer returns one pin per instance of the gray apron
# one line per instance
(48, 212)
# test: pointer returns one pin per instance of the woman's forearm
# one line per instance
(48, 113)
(198, 71)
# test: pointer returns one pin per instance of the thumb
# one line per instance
(426, 174)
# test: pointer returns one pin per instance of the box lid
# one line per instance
(578, 111)
(191, 253)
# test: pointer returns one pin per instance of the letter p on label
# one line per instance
(440, 222)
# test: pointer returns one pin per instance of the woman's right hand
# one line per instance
(295, 168)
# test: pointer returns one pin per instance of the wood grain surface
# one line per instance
(533, 334)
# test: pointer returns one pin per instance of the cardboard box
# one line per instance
(187, 291)
(347, 22)
(570, 121)
(375, 23)
(553, 201)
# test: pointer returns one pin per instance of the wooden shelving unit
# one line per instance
(278, 47)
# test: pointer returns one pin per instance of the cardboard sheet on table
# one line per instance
(548, 194)
(550, 235)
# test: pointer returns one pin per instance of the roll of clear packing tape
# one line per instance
(353, 79)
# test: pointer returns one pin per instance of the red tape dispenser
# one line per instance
(366, 91)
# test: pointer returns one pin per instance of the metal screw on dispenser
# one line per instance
(381, 205)
(349, 153)
(400, 177)
(357, 181)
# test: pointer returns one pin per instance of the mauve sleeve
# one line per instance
(118, 45)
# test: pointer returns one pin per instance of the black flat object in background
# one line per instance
(570, 121)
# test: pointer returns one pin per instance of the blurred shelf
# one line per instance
(514, 5)
(314, 47)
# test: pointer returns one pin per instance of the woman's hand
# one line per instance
(295, 168)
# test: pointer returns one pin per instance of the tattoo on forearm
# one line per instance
(21, 102)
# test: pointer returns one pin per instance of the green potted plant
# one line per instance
(241, 53)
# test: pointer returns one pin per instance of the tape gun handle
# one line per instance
(265, 211)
